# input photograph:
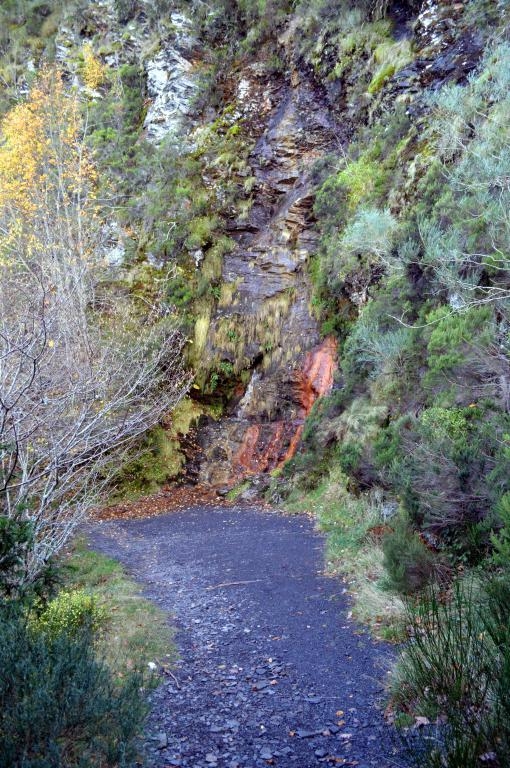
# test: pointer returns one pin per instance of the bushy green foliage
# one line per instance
(70, 612)
(456, 667)
(348, 455)
(358, 182)
(409, 565)
(370, 233)
(501, 540)
(15, 539)
(307, 468)
(59, 706)
(466, 239)
(454, 334)
(445, 467)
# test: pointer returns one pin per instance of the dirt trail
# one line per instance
(272, 671)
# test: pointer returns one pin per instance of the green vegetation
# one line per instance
(406, 466)
(74, 661)
(454, 673)
(59, 704)
(132, 631)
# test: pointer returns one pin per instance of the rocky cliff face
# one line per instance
(261, 328)
(171, 81)
(267, 325)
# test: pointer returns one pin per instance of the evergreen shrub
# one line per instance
(409, 565)
(59, 706)
(455, 671)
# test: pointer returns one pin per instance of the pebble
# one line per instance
(162, 740)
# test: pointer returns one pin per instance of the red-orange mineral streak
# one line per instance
(316, 378)
(267, 446)
(247, 457)
(260, 449)
(314, 381)
(293, 445)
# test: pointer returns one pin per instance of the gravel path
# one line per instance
(272, 671)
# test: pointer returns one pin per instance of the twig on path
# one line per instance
(233, 583)
(167, 672)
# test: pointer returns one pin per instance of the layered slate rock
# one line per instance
(270, 302)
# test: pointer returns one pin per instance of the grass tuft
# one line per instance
(354, 550)
(137, 632)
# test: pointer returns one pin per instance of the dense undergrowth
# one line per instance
(75, 650)
(406, 463)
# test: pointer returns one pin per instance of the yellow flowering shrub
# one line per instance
(69, 612)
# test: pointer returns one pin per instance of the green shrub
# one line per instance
(388, 451)
(361, 179)
(455, 670)
(307, 469)
(59, 706)
(409, 565)
(70, 612)
(467, 235)
(501, 540)
(374, 350)
(349, 455)
(456, 340)
(16, 536)
(449, 467)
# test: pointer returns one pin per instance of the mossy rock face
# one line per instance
(202, 325)
(158, 458)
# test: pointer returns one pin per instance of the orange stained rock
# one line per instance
(293, 445)
(246, 458)
(314, 381)
(265, 447)
(316, 377)
(260, 452)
